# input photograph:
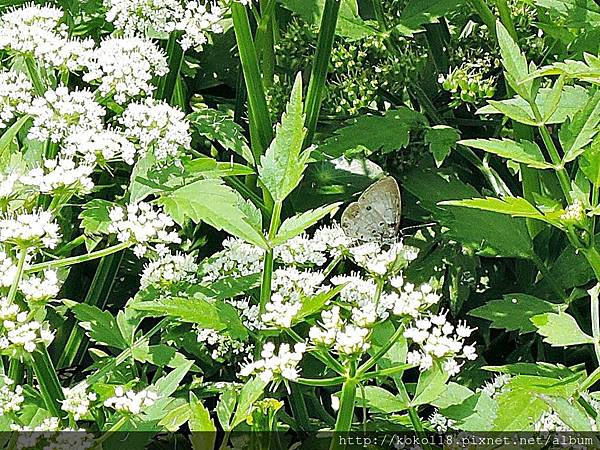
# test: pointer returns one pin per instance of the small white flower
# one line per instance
(37, 229)
(125, 67)
(131, 402)
(157, 127)
(40, 288)
(77, 401)
(169, 268)
(275, 366)
(16, 93)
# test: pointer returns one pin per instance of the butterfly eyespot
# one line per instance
(369, 208)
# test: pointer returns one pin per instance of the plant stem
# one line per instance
(382, 351)
(261, 128)
(319, 382)
(267, 275)
(486, 15)
(265, 40)
(343, 422)
(390, 371)
(34, 75)
(12, 293)
(595, 316)
(320, 67)
(78, 259)
(548, 277)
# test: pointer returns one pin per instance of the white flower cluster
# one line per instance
(11, 397)
(16, 92)
(169, 268)
(130, 402)
(439, 340)
(249, 313)
(35, 31)
(495, 386)
(346, 338)
(574, 212)
(8, 270)
(60, 113)
(156, 126)
(411, 300)
(372, 257)
(143, 224)
(221, 344)
(440, 422)
(36, 229)
(18, 331)
(99, 146)
(60, 174)
(195, 19)
(272, 366)
(36, 288)
(125, 67)
(302, 250)
(7, 184)
(237, 259)
(77, 401)
(290, 287)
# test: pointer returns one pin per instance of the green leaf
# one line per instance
(251, 391)
(380, 400)
(229, 287)
(396, 355)
(454, 394)
(311, 305)
(589, 163)
(513, 206)
(176, 417)
(514, 62)
(510, 110)
(386, 133)
(9, 135)
(523, 152)
(226, 407)
(518, 410)
(475, 413)
(570, 102)
(95, 217)
(283, 164)
(574, 135)
(219, 127)
(576, 13)
(572, 414)
(560, 330)
(297, 224)
(430, 385)
(161, 355)
(441, 139)
(168, 384)
(229, 316)
(202, 427)
(100, 325)
(571, 269)
(513, 312)
(421, 12)
(488, 233)
(215, 203)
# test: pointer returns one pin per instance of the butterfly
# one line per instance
(375, 217)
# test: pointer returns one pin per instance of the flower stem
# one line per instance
(12, 293)
(78, 259)
(267, 275)
(595, 316)
(382, 351)
(343, 423)
(175, 54)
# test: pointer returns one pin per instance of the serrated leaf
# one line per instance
(161, 355)
(251, 391)
(9, 135)
(421, 12)
(523, 152)
(380, 400)
(514, 62)
(297, 224)
(385, 133)
(576, 13)
(219, 127)
(313, 304)
(176, 417)
(570, 102)
(95, 217)
(510, 110)
(430, 385)
(100, 325)
(202, 427)
(574, 135)
(589, 162)
(168, 384)
(518, 410)
(572, 414)
(513, 206)
(560, 330)
(283, 164)
(513, 312)
(441, 139)
(215, 203)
